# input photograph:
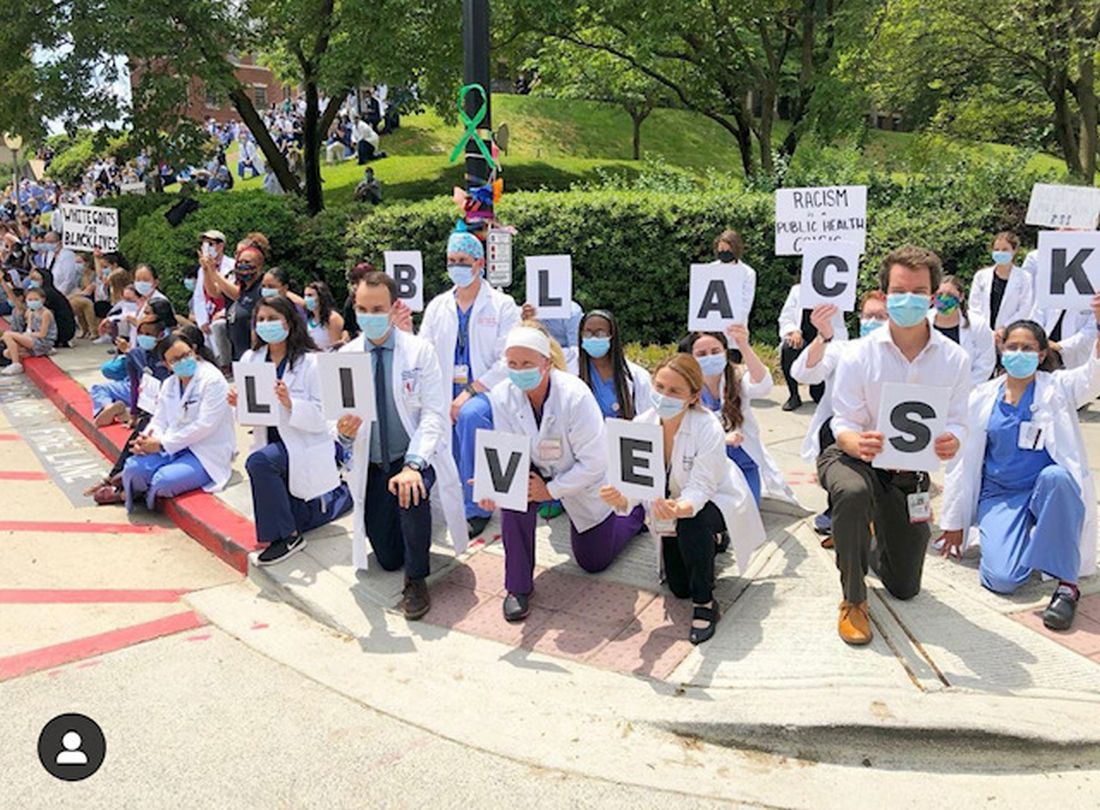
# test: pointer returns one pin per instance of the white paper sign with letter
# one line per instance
(635, 453)
(502, 464)
(910, 418)
(550, 285)
(830, 274)
(257, 405)
(347, 384)
(406, 268)
(714, 300)
(1069, 269)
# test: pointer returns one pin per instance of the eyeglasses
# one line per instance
(598, 334)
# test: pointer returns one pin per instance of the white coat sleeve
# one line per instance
(850, 411)
(643, 388)
(507, 317)
(984, 355)
(428, 323)
(755, 390)
(588, 441)
(158, 423)
(978, 303)
(434, 408)
(212, 414)
(748, 291)
(957, 407)
(790, 318)
(306, 413)
(711, 466)
(815, 375)
(960, 475)
(1081, 385)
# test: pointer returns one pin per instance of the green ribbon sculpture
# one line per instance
(471, 124)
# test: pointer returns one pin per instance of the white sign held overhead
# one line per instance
(257, 405)
(132, 188)
(86, 227)
(502, 464)
(406, 268)
(636, 459)
(830, 275)
(550, 285)
(1069, 269)
(347, 384)
(715, 299)
(910, 418)
(827, 213)
(1054, 206)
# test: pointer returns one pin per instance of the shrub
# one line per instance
(132, 207)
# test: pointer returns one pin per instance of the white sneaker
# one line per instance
(102, 340)
(12, 370)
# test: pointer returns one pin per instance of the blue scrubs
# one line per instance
(1030, 510)
(160, 475)
(476, 414)
(604, 391)
(737, 454)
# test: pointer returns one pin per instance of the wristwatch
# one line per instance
(415, 464)
(826, 339)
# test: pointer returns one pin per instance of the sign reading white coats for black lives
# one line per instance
(502, 464)
(86, 227)
(714, 299)
(406, 268)
(347, 384)
(830, 273)
(910, 418)
(828, 213)
(257, 405)
(550, 285)
(636, 459)
(1069, 269)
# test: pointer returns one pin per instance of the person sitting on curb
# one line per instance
(126, 372)
(37, 340)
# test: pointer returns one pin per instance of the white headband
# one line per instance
(526, 337)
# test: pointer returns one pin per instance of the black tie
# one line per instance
(380, 405)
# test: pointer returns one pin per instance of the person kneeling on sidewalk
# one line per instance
(403, 457)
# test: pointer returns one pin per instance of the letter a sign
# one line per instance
(502, 463)
(715, 298)
(1069, 269)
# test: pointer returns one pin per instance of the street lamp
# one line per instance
(14, 143)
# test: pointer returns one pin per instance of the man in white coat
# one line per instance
(403, 456)
(468, 326)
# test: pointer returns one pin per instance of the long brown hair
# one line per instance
(687, 367)
(731, 413)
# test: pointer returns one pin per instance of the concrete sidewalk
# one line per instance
(603, 655)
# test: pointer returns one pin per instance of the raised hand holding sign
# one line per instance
(406, 267)
(550, 285)
(715, 299)
(830, 274)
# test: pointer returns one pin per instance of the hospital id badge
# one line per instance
(462, 375)
(550, 449)
(147, 393)
(920, 507)
(664, 528)
(1030, 437)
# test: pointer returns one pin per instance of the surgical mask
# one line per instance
(869, 325)
(48, 247)
(907, 309)
(208, 250)
(31, 284)
(34, 305)
(147, 342)
(272, 331)
(667, 407)
(462, 275)
(596, 346)
(37, 247)
(185, 366)
(712, 364)
(143, 288)
(1002, 256)
(189, 284)
(527, 379)
(727, 256)
(374, 325)
(269, 292)
(946, 304)
(1020, 365)
(311, 303)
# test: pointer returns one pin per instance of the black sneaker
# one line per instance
(280, 550)
(516, 607)
(416, 601)
(1063, 605)
(792, 404)
(476, 526)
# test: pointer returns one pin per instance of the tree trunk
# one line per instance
(311, 151)
(764, 129)
(638, 114)
(1086, 103)
(1065, 126)
(743, 115)
(275, 159)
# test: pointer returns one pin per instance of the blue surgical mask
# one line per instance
(311, 302)
(34, 305)
(374, 325)
(667, 407)
(1020, 365)
(189, 284)
(272, 331)
(596, 346)
(143, 288)
(185, 367)
(526, 379)
(907, 309)
(31, 284)
(462, 275)
(147, 342)
(269, 292)
(869, 325)
(712, 364)
(1002, 256)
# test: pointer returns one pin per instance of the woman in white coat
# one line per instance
(292, 468)
(1022, 481)
(1002, 293)
(568, 463)
(949, 317)
(729, 391)
(190, 441)
(706, 492)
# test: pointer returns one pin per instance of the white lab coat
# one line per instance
(1078, 332)
(702, 472)
(640, 382)
(491, 318)
(976, 339)
(304, 430)
(790, 318)
(65, 275)
(1058, 395)
(1016, 304)
(572, 417)
(198, 419)
(422, 399)
(198, 295)
(747, 276)
(821, 373)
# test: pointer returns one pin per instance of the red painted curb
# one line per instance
(219, 528)
(17, 475)
(82, 596)
(77, 526)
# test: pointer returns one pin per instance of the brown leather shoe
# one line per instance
(854, 624)
(416, 602)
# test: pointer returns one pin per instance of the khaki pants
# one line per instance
(84, 312)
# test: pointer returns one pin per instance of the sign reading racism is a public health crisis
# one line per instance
(826, 213)
(86, 227)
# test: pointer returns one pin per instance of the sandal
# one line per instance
(707, 614)
(109, 494)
